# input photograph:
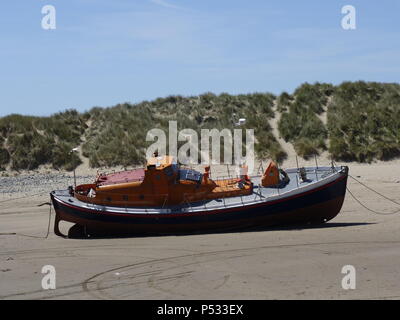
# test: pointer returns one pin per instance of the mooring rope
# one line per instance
(369, 209)
(31, 236)
(373, 190)
(23, 197)
(378, 193)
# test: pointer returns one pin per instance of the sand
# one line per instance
(275, 263)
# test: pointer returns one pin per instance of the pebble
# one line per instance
(39, 183)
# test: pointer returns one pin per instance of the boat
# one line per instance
(165, 197)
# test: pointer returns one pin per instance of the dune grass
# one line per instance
(28, 142)
(299, 123)
(117, 135)
(363, 124)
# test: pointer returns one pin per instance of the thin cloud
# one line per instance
(165, 4)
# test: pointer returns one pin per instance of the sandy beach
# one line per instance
(90, 89)
(275, 263)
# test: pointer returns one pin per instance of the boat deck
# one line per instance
(315, 176)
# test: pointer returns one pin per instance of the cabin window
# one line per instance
(125, 198)
(168, 171)
(191, 175)
(141, 197)
(108, 199)
(175, 168)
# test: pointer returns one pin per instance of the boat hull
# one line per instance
(313, 206)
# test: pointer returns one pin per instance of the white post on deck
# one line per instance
(316, 165)
(72, 151)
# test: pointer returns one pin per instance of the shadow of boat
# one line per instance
(78, 232)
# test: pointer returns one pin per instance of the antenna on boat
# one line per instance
(333, 166)
(297, 175)
(260, 167)
(316, 167)
(72, 151)
(227, 167)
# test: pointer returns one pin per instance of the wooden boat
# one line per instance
(165, 198)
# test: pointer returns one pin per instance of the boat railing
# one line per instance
(224, 183)
(100, 183)
(107, 170)
(225, 186)
(162, 199)
(205, 204)
(159, 198)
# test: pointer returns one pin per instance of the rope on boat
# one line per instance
(32, 195)
(31, 236)
(369, 209)
(373, 190)
(378, 193)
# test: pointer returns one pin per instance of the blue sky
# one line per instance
(108, 52)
